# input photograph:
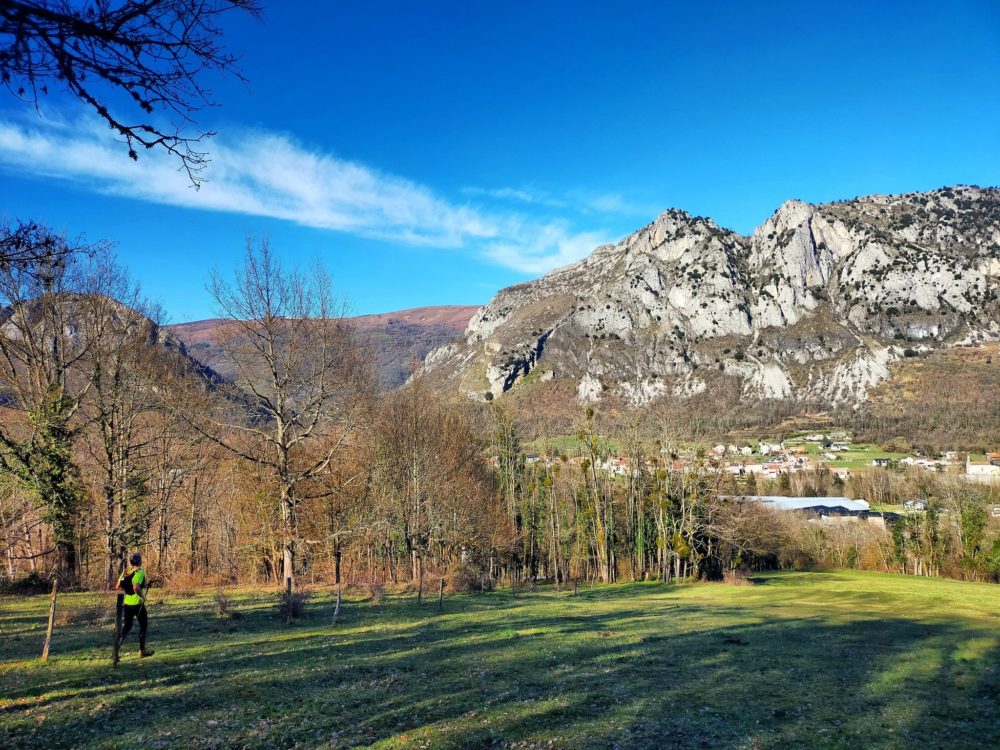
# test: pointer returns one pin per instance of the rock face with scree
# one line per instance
(815, 304)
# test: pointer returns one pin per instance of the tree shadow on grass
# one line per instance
(627, 666)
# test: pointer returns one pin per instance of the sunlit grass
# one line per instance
(801, 659)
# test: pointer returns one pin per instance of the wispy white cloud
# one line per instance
(611, 203)
(573, 202)
(261, 174)
(273, 175)
(530, 196)
(553, 246)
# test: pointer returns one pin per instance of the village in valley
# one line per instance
(767, 464)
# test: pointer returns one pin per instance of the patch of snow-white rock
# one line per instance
(589, 389)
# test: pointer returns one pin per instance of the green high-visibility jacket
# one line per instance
(129, 582)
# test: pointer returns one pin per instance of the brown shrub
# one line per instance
(737, 577)
(797, 559)
(376, 592)
(293, 604)
(465, 578)
(185, 584)
(93, 613)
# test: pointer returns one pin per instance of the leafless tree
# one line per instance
(126, 60)
(428, 475)
(301, 382)
(124, 424)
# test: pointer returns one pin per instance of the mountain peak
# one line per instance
(816, 304)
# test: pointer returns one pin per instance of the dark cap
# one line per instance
(135, 559)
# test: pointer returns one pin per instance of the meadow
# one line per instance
(798, 659)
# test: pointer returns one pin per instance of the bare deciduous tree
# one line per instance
(124, 362)
(301, 380)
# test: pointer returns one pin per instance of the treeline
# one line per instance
(956, 534)
(639, 512)
(299, 469)
(113, 440)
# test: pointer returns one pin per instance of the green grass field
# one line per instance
(832, 660)
(860, 455)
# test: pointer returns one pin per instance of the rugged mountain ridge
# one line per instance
(815, 305)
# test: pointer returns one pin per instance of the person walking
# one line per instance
(132, 583)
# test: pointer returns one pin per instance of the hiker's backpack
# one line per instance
(127, 586)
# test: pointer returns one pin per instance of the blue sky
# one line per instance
(433, 153)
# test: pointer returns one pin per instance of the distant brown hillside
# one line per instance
(398, 338)
(455, 317)
(948, 398)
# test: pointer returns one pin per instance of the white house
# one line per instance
(981, 469)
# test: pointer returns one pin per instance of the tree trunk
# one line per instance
(111, 547)
(287, 537)
(30, 548)
(193, 531)
(66, 561)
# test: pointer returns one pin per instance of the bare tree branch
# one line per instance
(150, 55)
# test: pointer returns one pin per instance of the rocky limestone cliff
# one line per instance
(816, 304)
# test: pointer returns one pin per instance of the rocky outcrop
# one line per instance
(815, 304)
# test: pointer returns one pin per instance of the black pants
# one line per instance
(134, 612)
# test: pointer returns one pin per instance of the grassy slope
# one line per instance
(801, 659)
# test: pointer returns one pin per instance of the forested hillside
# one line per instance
(399, 340)
(298, 466)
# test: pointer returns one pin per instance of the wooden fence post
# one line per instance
(441, 597)
(336, 610)
(52, 620)
(288, 600)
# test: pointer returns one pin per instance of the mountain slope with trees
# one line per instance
(399, 340)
